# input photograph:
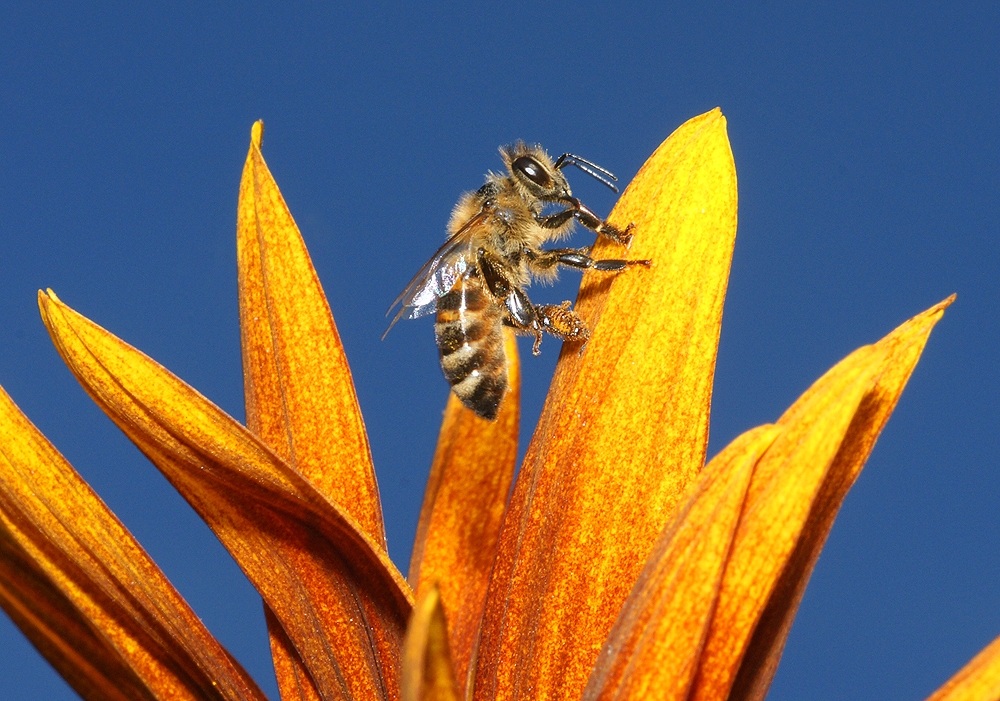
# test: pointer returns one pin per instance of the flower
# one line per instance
(621, 566)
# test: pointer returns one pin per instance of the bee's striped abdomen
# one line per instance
(469, 332)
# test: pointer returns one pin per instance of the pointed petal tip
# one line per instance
(46, 298)
(427, 669)
(919, 326)
(713, 115)
(48, 304)
(937, 311)
(257, 134)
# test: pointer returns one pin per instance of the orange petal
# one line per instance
(427, 669)
(85, 592)
(653, 649)
(298, 391)
(300, 398)
(793, 498)
(624, 427)
(977, 681)
(334, 590)
(463, 509)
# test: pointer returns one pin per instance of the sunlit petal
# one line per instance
(902, 350)
(342, 603)
(653, 649)
(793, 498)
(977, 681)
(428, 674)
(87, 595)
(463, 509)
(624, 427)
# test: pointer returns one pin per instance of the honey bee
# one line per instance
(475, 282)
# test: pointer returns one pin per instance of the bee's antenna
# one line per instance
(590, 168)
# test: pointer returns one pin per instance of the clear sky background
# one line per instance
(865, 138)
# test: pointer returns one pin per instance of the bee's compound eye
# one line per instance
(532, 170)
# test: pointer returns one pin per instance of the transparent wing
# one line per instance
(438, 275)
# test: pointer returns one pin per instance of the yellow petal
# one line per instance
(340, 600)
(463, 509)
(653, 649)
(427, 669)
(299, 395)
(624, 427)
(793, 498)
(977, 681)
(86, 594)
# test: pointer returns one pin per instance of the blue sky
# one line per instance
(867, 154)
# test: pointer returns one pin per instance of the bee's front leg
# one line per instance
(589, 219)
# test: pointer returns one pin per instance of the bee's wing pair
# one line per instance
(438, 275)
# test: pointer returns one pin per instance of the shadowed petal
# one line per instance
(653, 649)
(298, 391)
(294, 682)
(85, 592)
(427, 668)
(977, 681)
(624, 427)
(463, 509)
(793, 498)
(340, 600)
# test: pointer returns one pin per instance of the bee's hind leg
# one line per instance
(534, 319)
(560, 321)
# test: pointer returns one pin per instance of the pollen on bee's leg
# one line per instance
(562, 322)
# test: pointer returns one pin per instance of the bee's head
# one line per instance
(534, 173)
(537, 175)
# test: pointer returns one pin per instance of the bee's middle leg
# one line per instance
(580, 258)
